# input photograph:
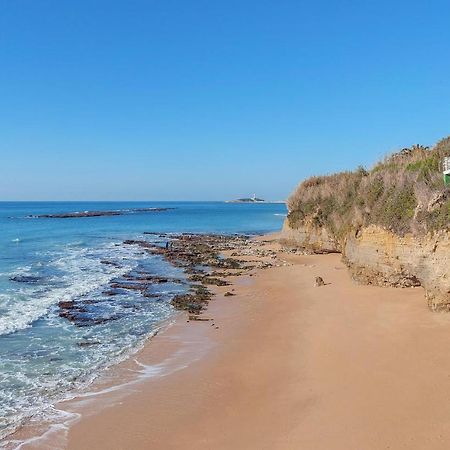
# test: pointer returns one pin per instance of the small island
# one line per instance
(253, 199)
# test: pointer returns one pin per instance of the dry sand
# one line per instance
(291, 366)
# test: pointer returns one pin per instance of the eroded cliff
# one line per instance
(391, 224)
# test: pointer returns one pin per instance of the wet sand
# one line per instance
(290, 366)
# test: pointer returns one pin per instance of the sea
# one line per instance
(44, 261)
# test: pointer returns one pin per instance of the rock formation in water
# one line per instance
(81, 214)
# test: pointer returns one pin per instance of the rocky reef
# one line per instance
(391, 224)
(199, 256)
(82, 214)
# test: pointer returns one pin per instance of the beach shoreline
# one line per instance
(290, 366)
(176, 347)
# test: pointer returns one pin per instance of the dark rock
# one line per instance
(66, 304)
(207, 280)
(87, 343)
(195, 254)
(81, 214)
(150, 295)
(319, 282)
(229, 263)
(129, 286)
(110, 263)
(72, 215)
(193, 302)
(25, 279)
(111, 292)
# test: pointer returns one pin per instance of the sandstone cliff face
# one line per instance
(379, 257)
(310, 238)
(391, 223)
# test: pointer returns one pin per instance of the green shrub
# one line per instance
(425, 167)
(439, 218)
(396, 210)
(375, 191)
(386, 196)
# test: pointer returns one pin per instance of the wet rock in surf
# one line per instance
(110, 263)
(81, 214)
(25, 279)
(193, 302)
(81, 315)
(198, 255)
(88, 343)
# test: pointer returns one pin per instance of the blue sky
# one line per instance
(185, 100)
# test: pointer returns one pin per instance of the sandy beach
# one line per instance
(224, 225)
(286, 365)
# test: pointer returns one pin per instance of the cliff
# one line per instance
(391, 224)
(309, 237)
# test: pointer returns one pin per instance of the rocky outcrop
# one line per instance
(380, 257)
(83, 214)
(377, 256)
(310, 238)
(391, 222)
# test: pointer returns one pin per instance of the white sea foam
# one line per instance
(54, 369)
(21, 314)
(59, 420)
(82, 272)
(42, 409)
(47, 363)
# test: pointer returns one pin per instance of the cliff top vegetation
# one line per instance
(404, 193)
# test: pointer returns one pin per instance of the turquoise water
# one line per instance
(44, 261)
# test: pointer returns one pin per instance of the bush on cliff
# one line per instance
(404, 193)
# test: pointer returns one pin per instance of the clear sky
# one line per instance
(186, 99)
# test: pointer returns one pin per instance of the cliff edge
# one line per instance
(391, 224)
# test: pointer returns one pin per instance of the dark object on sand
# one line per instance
(319, 282)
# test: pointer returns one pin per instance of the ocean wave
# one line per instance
(47, 363)
(21, 315)
(41, 409)
(79, 272)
